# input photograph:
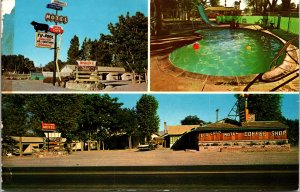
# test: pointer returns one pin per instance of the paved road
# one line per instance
(153, 178)
(158, 170)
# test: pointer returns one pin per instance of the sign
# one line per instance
(54, 6)
(53, 135)
(44, 40)
(86, 63)
(59, 3)
(56, 29)
(48, 126)
(56, 18)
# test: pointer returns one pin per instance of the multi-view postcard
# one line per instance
(224, 46)
(149, 95)
(50, 45)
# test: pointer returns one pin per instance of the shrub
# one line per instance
(50, 80)
(215, 144)
(267, 143)
(36, 78)
(226, 144)
(280, 142)
(252, 143)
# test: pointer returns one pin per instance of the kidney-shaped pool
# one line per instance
(229, 52)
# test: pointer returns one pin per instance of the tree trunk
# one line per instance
(158, 16)
(98, 145)
(103, 145)
(82, 146)
(129, 142)
(20, 146)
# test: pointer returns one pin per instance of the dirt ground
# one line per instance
(158, 157)
(9, 86)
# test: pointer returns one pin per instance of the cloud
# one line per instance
(7, 6)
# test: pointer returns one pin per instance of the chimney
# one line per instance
(165, 127)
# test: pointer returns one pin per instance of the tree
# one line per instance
(129, 42)
(128, 123)
(292, 131)
(16, 63)
(214, 3)
(192, 120)
(63, 110)
(148, 120)
(50, 65)
(15, 120)
(86, 49)
(99, 119)
(101, 51)
(73, 52)
(266, 107)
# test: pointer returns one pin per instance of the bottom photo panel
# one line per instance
(150, 142)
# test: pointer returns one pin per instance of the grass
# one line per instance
(286, 36)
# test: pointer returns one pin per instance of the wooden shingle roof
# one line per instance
(180, 129)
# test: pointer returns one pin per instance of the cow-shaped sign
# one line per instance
(40, 26)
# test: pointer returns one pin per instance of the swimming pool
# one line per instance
(229, 52)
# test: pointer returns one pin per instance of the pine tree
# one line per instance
(73, 52)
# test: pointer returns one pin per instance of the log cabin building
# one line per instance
(235, 135)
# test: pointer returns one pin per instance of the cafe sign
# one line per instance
(44, 40)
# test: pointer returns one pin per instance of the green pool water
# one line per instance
(229, 52)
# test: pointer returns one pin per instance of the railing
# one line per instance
(86, 76)
(283, 49)
(17, 76)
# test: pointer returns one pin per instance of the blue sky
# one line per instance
(175, 107)
(87, 18)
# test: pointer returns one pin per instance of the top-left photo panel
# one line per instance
(74, 46)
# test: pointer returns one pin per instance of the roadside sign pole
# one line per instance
(48, 142)
(55, 48)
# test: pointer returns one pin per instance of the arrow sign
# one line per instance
(54, 6)
(59, 3)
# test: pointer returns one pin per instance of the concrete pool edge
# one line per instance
(281, 71)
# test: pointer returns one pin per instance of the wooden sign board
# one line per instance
(86, 63)
(44, 40)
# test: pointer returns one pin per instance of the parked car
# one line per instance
(147, 147)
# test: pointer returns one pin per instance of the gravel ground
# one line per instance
(9, 86)
(158, 157)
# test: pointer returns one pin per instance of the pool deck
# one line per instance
(166, 77)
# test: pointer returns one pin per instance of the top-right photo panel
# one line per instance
(224, 46)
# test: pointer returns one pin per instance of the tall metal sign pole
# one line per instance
(55, 53)
(57, 6)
